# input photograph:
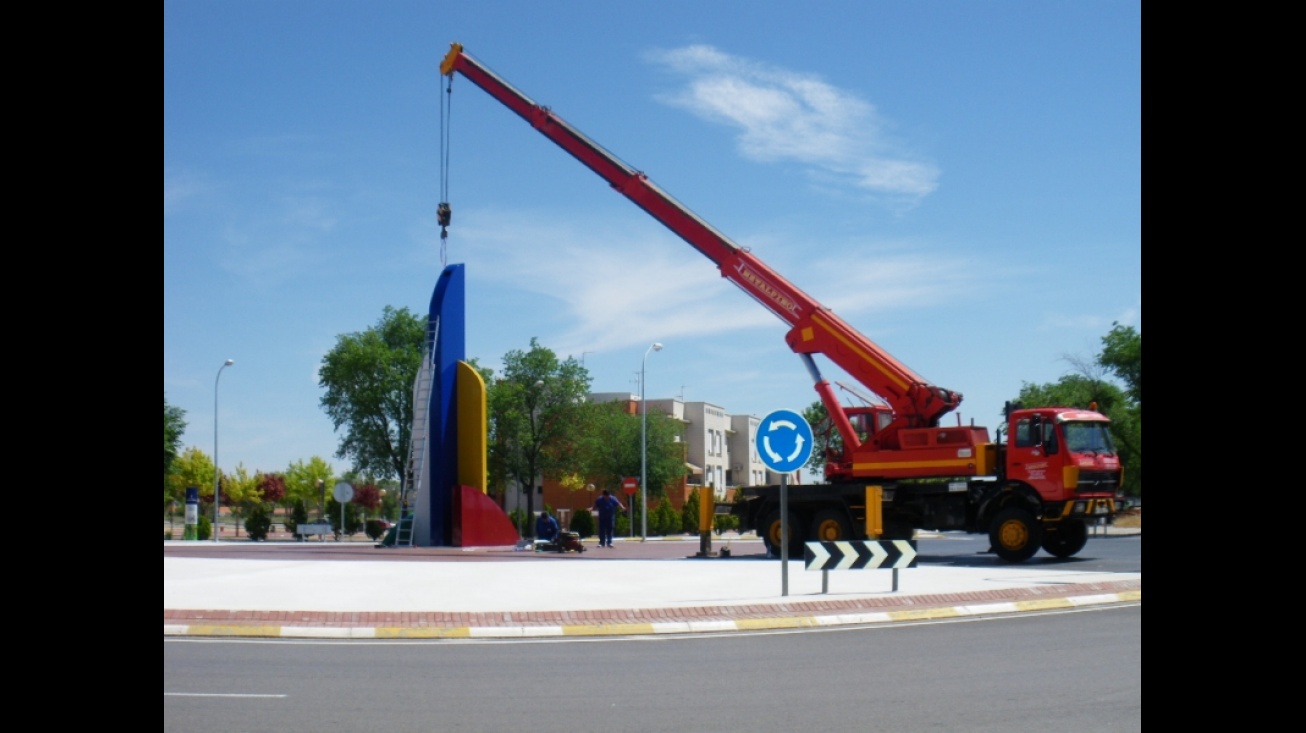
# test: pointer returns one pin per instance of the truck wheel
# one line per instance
(769, 531)
(1066, 538)
(830, 525)
(1015, 534)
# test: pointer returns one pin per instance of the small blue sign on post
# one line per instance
(784, 441)
(191, 531)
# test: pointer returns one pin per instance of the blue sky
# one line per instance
(960, 181)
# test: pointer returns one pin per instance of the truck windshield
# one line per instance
(1088, 437)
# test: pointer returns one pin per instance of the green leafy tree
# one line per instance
(368, 377)
(1122, 355)
(174, 425)
(824, 436)
(192, 467)
(607, 448)
(240, 493)
(309, 482)
(536, 410)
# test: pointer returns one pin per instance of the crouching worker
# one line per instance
(546, 527)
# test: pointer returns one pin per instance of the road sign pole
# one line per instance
(784, 443)
(630, 485)
(784, 534)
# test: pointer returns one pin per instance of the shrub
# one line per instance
(298, 516)
(204, 529)
(582, 523)
(723, 522)
(258, 523)
(689, 513)
(664, 519)
(375, 528)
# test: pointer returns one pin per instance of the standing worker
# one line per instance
(607, 506)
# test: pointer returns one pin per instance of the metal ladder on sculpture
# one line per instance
(418, 446)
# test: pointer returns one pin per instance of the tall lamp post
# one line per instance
(217, 472)
(643, 447)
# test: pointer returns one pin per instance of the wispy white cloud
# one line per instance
(616, 288)
(785, 115)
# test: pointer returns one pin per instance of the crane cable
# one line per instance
(443, 212)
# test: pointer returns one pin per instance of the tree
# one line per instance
(368, 378)
(191, 468)
(174, 424)
(665, 453)
(1122, 354)
(272, 487)
(240, 492)
(308, 482)
(368, 497)
(824, 436)
(536, 410)
(607, 448)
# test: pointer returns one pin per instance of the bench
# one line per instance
(316, 528)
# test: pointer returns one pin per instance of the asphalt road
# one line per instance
(1066, 672)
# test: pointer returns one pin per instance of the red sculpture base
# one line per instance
(478, 521)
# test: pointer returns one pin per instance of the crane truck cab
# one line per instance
(1061, 471)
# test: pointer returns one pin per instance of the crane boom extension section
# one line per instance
(814, 329)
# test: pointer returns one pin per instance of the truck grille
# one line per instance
(1096, 482)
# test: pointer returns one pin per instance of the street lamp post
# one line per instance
(643, 447)
(217, 472)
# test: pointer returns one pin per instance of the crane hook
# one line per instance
(443, 214)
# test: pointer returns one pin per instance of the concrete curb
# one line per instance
(641, 622)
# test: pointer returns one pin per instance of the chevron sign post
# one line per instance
(860, 555)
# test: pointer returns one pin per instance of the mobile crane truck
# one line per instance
(1056, 471)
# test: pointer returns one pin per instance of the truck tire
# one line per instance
(1066, 538)
(1015, 534)
(830, 525)
(769, 531)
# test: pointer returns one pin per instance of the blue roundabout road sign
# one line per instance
(784, 441)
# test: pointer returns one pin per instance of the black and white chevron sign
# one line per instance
(860, 555)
